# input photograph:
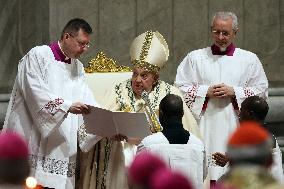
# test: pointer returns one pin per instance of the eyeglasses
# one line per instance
(223, 33)
(80, 43)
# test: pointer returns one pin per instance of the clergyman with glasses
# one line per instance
(47, 101)
(215, 80)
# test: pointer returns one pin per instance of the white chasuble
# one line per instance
(218, 118)
(43, 92)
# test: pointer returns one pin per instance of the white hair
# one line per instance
(224, 16)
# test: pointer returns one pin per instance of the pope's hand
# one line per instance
(79, 108)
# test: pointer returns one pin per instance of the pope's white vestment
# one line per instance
(43, 92)
(201, 69)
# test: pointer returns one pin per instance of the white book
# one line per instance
(106, 123)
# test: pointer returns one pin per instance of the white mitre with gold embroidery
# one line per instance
(149, 51)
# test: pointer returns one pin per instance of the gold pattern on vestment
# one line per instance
(155, 125)
(146, 45)
(145, 65)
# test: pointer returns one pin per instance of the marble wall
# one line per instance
(23, 25)
(184, 23)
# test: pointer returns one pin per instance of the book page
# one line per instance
(99, 122)
(132, 125)
(106, 123)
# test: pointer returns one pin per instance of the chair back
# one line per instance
(103, 73)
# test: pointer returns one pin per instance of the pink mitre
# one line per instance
(144, 166)
(12, 146)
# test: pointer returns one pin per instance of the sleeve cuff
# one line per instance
(202, 90)
(65, 106)
(239, 92)
(89, 142)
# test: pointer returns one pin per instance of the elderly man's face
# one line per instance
(142, 80)
(222, 32)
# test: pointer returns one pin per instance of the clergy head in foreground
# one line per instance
(142, 169)
(148, 171)
(167, 179)
(14, 160)
(250, 144)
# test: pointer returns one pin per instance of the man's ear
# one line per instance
(66, 36)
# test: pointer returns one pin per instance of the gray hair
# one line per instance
(224, 16)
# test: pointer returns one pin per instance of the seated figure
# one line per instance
(181, 150)
(105, 163)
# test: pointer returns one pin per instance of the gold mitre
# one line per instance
(149, 51)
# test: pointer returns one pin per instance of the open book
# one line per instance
(106, 123)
